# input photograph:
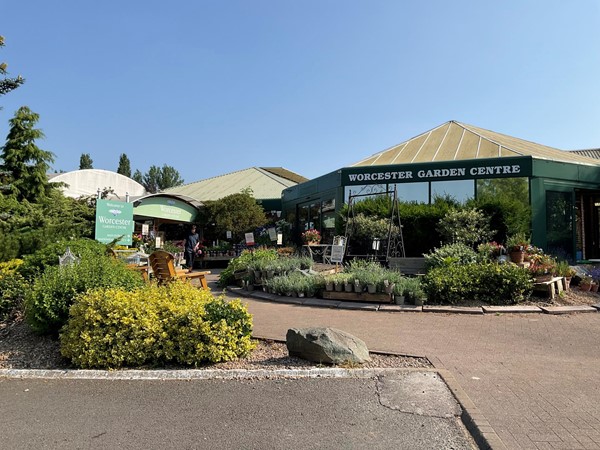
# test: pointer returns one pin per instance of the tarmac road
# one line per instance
(407, 410)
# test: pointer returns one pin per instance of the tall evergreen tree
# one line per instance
(85, 161)
(7, 84)
(23, 162)
(159, 178)
(124, 166)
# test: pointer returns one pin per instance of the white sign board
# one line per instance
(145, 229)
(249, 238)
(337, 253)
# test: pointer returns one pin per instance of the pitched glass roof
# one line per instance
(458, 141)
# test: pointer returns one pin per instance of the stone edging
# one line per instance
(339, 304)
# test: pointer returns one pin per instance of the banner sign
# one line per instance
(114, 220)
(439, 171)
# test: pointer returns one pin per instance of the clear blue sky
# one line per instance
(211, 87)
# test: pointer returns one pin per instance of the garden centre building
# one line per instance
(460, 160)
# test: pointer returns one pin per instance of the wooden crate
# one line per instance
(357, 297)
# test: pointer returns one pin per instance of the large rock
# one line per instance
(326, 346)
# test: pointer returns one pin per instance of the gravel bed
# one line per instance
(20, 348)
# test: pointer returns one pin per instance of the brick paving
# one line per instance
(533, 377)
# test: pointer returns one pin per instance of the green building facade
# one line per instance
(463, 161)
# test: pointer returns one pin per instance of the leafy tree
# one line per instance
(160, 178)
(124, 165)
(8, 84)
(238, 213)
(24, 163)
(137, 176)
(85, 161)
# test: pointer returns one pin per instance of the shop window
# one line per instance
(413, 192)
(459, 190)
(559, 224)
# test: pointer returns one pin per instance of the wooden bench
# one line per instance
(408, 266)
(164, 270)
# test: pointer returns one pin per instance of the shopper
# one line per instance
(192, 241)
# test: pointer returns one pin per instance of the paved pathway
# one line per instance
(533, 377)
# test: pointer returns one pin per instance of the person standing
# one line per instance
(192, 241)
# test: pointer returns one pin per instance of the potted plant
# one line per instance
(329, 283)
(516, 246)
(586, 283)
(311, 237)
(542, 267)
(563, 269)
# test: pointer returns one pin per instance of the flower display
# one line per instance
(311, 235)
(541, 264)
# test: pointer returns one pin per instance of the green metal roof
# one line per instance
(458, 141)
(265, 183)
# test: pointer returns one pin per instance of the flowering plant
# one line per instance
(311, 235)
(541, 264)
(491, 249)
(137, 240)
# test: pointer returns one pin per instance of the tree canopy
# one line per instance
(85, 161)
(8, 84)
(24, 164)
(158, 178)
(124, 165)
(238, 213)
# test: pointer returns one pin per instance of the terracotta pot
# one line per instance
(585, 287)
(517, 256)
(594, 287)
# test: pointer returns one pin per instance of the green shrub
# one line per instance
(490, 283)
(467, 226)
(419, 225)
(52, 293)
(450, 254)
(12, 288)
(154, 325)
(36, 263)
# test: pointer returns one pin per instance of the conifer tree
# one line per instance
(124, 166)
(24, 164)
(85, 161)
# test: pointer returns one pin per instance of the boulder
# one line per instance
(326, 346)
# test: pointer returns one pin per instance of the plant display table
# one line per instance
(551, 288)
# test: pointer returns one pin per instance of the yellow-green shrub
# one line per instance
(12, 288)
(111, 328)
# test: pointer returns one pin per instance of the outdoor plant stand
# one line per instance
(551, 288)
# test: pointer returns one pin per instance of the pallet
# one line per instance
(357, 297)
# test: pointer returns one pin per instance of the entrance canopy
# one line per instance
(177, 208)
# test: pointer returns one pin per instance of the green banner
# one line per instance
(166, 208)
(114, 220)
(505, 167)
